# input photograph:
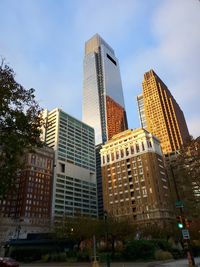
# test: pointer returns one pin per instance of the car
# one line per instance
(8, 262)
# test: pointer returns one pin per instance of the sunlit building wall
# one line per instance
(135, 184)
(163, 116)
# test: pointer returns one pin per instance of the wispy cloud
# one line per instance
(44, 42)
(175, 56)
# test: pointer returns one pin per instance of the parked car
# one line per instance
(8, 262)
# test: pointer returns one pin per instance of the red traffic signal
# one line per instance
(187, 223)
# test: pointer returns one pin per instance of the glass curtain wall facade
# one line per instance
(74, 185)
(140, 101)
(103, 101)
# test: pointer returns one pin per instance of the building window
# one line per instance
(132, 149)
(117, 154)
(137, 148)
(143, 146)
(62, 167)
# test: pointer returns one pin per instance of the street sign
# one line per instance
(179, 204)
(185, 234)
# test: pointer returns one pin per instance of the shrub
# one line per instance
(163, 255)
(117, 256)
(83, 255)
(71, 256)
(58, 257)
(177, 253)
(102, 256)
(139, 249)
(195, 247)
(45, 258)
(162, 244)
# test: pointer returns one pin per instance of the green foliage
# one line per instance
(186, 176)
(76, 229)
(147, 249)
(154, 231)
(177, 253)
(58, 257)
(71, 256)
(84, 255)
(54, 257)
(139, 249)
(163, 255)
(19, 126)
(162, 244)
(45, 258)
(196, 247)
(28, 254)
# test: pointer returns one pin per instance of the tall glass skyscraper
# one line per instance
(103, 100)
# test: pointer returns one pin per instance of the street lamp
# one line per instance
(106, 233)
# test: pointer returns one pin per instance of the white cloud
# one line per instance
(194, 125)
(44, 42)
(175, 56)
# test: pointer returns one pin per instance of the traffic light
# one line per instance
(179, 220)
(187, 223)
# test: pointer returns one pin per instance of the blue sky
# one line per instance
(43, 41)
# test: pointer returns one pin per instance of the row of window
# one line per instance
(124, 152)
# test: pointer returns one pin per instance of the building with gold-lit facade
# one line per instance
(160, 114)
(135, 185)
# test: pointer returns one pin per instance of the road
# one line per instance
(177, 263)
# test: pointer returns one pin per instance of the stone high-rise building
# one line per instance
(29, 199)
(26, 208)
(160, 114)
(135, 184)
(103, 101)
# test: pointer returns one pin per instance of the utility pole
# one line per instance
(106, 228)
(182, 223)
(95, 262)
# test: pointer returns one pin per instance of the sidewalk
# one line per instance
(86, 264)
(173, 263)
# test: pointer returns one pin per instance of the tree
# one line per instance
(186, 170)
(20, 126)
(77, 229)
(117, 230)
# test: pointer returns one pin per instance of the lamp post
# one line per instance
(106, 233)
